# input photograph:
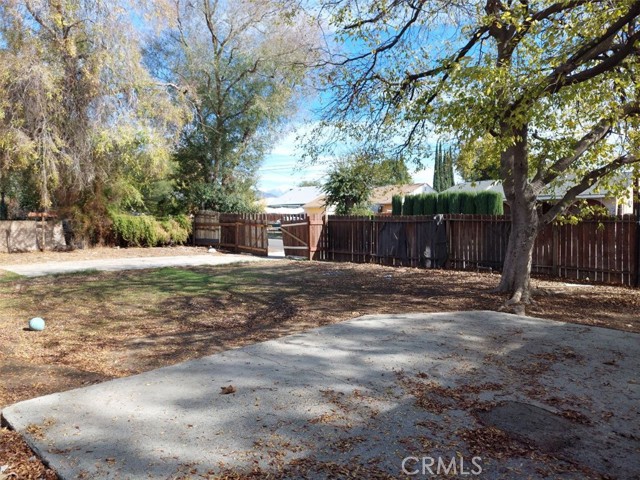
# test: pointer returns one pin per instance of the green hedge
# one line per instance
(468, 203)
(396, 205)
(407, 205)
(482, 203)
(147, 231)
(489, 203)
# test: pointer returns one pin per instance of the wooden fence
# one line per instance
(604, 250)
(235, 231)
(303, 235)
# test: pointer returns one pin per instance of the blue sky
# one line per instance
(282, 170)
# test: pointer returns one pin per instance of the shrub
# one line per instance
(396, 205)
(177, 229)
(146, 231)
(454, 202)
(495, 204)
(407, 206)
(443, 203)
(481, 203)
(430, 203)
(418, 204)
(467, 203)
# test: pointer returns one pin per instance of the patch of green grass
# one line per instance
(146, 286)
(6, 276)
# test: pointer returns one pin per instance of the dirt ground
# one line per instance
(107, 325)
(96, 254)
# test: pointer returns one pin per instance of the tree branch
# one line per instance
(587, 181)
(595, 135)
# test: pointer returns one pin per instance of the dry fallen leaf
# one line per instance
(227, 390)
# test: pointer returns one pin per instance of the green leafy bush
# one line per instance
(146, 231)
(442, 206)
(492, 203)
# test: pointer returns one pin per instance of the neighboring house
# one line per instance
(380, 198)
(292, 201)
(595, 195)
(318, 206)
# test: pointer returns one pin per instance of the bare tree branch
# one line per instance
(587, 181)
(600, 131)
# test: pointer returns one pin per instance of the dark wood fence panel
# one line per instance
(603, 250)
(600, 250)
(477, 241)
(387, 240)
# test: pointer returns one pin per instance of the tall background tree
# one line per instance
(443, 176)
(242, 67)
(81, 118)
(552, 82)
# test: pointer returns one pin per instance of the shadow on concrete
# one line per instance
(365, 393)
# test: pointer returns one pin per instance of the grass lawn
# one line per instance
(107, 325)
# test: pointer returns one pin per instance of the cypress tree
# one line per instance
(437, 169)
(407, 206)
(396, 205)
(430, 203)
(448, 170)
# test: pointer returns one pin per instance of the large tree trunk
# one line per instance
(524, 218)
(517, 264)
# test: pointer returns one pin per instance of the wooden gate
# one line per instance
(239, 232)
(303, 236)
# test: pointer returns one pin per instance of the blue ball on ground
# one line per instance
(37, 324)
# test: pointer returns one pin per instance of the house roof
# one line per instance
(558, 189)
(479, 186)
(383, 195)
(318, 202)
(295, 197)
(552, 191)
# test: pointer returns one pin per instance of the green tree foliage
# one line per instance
(242, 68)
(479, 159)
(351, 181)
(348, 187)
(79, 112)
(553, 82)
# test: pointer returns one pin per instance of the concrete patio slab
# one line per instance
(363, 396)
(134, 263)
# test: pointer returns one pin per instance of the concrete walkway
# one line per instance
(134, 263)
(382, 388)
